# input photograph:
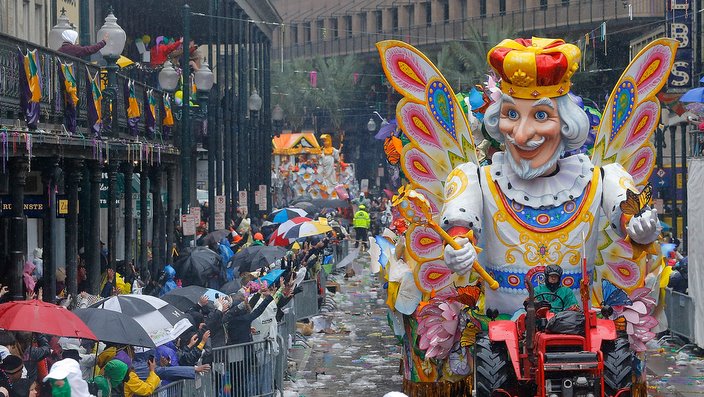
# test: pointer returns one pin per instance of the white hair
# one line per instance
(574, 123)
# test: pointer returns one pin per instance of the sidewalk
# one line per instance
(351, 350)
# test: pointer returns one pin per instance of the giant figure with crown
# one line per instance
(542, 201)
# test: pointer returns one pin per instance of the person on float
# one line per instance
(531, 207)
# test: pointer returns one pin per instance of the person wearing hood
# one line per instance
(69, 46)
(66, 379)
(38, 262)
(118, 374)
(560, 297)
(169, 283)
(225, 251)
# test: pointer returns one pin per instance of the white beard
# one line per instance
(524, 169)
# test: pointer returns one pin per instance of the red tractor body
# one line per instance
(522, 359)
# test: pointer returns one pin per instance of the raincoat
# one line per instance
(29, 281)
(568, 298)
(169, 284)
(361, 220)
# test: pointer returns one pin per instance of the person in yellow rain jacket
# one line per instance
(361, 223)
(117, 372)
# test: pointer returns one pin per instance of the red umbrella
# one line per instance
(42, 317)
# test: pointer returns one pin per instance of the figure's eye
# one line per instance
(512, 114)
(541, 115)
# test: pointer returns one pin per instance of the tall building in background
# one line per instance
(333, 27)
(25, 19)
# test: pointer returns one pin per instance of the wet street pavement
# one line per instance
(673, 374)
(357, 352)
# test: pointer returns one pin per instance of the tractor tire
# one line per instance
(493, 367)
(618, 365)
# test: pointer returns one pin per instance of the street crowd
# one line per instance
(250, 300)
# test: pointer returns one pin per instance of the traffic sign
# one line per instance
(188, 224)
(219, 220)
(242, 198)
(220, 204)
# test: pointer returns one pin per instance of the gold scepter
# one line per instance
(407, 199)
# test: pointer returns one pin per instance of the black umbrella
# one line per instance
(231, 287)
(266, 256)
(185, 298)
(307, 206)
(115, 327)
(215, 236)
(198, 266)
(244, 257)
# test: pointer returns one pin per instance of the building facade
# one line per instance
(330, 27)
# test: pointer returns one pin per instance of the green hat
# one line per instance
(115, 371)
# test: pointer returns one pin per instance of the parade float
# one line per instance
(302, 167)
(470, 239)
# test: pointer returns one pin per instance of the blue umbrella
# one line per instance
(282, 215)
(693, 95)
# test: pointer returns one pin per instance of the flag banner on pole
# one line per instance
(70, 94)
(132, 107)
(149, 112)
(30, 87)
(94, 102)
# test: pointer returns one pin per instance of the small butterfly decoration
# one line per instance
(475, 324)
(635, 203)
(613, 295)
(467, 295)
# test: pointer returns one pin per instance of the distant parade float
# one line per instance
(301, 167)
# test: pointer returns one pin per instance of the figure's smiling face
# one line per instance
(532, 131)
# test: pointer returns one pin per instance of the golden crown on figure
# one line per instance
(535, 68)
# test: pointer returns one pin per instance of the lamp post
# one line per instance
(186, 148)
(168, 77)
(204, 80)
(254, 104)
(55, 38)
(371, 125)
(277, 118)
(115, 43)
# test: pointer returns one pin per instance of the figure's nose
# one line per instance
(523, 132)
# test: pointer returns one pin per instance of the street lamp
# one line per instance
(204, 81)
(114, 45)
(254, 104)
(55, 37)
(277, 118)
(168, 77)
(371, 125)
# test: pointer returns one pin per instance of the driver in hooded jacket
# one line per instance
(553, 286)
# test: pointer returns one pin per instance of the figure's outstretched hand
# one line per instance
(644, 229)
(460, 261)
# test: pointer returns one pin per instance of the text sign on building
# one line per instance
(33, 206)
(680, 18)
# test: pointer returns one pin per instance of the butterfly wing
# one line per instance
(614, 296)
(429, 115)
(624, 136)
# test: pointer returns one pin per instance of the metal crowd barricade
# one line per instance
(679, 309)
(306, 301)
(243, 370)
(185, 387)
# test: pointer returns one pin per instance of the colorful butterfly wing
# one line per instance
(632, 111)
(614, 296)
(624, 136)
(429, 115)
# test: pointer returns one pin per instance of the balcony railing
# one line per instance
(578, 14)
(52, 105)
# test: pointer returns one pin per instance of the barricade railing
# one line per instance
(185, 387)
(679, 309)
(306, 301)
(243, 370)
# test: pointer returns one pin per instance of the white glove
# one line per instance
(460, 261)
(644, 229)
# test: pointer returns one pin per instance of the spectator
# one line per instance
(11, 382)
(161, 51)
(69, 46)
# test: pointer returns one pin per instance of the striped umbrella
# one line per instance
(279, 237)
(162, 321)
(285, 214)
(305, 229)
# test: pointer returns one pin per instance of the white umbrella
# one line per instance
(162, 321)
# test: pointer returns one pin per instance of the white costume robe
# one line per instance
(524, 225)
